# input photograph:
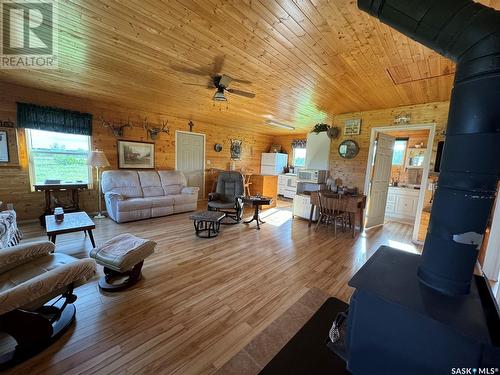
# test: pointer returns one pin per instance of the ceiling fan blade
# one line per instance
(241, 81)
(218, 64)
(241, 93)
(225, 80)
(195, 71)
(197, 84)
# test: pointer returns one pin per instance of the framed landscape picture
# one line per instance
(136, 155)
(4, 147)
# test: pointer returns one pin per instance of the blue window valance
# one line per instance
(32, 116)
(299, 143)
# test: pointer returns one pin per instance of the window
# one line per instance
(398, 157)
(58, 156)
(299, 157)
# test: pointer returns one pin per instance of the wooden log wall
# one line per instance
(15, 183)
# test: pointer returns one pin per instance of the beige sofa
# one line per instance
(136, 195)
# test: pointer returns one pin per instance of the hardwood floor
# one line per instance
(201, 300)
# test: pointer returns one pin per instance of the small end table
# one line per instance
(257, 202)
(73, 222)
(207, 223)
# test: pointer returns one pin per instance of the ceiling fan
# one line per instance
(217, 80)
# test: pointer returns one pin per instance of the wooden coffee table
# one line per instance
(73, 222)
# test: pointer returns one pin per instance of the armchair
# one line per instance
(228, 196)
(30, 276)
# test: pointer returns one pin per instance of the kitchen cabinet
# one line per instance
(302, 207)
(267, 186)
(281, 184)
(402, 203)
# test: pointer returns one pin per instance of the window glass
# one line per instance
(398, 157)
(58, 156)
(299, 157)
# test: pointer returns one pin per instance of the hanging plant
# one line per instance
(319, 128)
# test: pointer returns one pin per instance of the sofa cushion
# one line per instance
(172, 181)
(133, 204)
(150, 183)
(165, 201)
(184, 199)
(125, 183)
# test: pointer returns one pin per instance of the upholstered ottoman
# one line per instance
(122, 257)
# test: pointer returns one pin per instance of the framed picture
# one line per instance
(136, 155)
(236, 149)
(4, 147)
(352, 127)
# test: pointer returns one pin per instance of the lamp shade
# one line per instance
(97, 159)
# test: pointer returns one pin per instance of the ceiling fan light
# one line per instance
(219, 97)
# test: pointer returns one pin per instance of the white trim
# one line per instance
(425, 175)
(202, 188)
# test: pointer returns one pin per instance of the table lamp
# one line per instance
(98, 160)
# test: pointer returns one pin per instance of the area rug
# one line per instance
(258, 354)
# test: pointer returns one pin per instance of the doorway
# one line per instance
(190, 158)
(396, 179)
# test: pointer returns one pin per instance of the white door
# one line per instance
(379, 185)
(190, 158)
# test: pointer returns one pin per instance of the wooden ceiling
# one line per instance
(306, 59)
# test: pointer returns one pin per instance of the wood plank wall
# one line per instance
(15, 184)
(352, 172)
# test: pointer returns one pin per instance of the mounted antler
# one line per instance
(116, 129)
(154, 132)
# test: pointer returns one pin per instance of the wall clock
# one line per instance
(348, 149)
(218, 147)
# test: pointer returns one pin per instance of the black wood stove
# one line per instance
(428, 314)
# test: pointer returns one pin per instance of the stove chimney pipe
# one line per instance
(469, 34)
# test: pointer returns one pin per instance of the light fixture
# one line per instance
(279, 124)
(219, 96)
(98, 160)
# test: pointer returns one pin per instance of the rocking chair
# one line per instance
(31, 275)
(228, 196)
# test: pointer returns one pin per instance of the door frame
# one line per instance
(425, 175)
(202, 188)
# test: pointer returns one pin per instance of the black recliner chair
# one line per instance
(228, 196)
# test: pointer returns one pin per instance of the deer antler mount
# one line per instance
(116, 128)
(154, 132)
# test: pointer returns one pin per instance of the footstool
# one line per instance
(207, 223)
(122, 256)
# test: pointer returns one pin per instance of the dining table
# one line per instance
(355, 207)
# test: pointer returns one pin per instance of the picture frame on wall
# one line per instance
(4, 147)
(136, 155)
(352, 127)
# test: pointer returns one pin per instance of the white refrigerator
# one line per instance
(273, 163)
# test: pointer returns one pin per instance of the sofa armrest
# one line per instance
(14, 256)
(31, 291)
(113, 196)
(190, 190)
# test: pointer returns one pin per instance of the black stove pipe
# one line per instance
(469, 34)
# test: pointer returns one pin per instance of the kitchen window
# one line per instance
(299, 157)
(59, 157)
(398, 157)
